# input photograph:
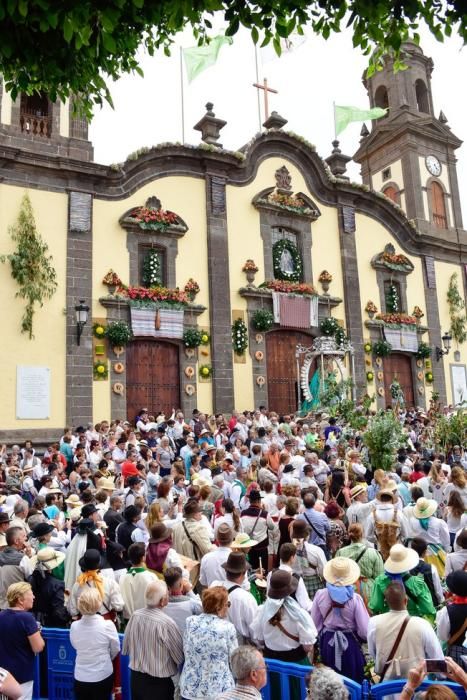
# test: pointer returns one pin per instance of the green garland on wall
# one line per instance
(456, 311)
(277, 251)
(392, 300)
(31, 265)
(152, 269)
(239, 337)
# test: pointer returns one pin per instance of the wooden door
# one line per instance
(282, 369)
(153, 377)
(399, 366)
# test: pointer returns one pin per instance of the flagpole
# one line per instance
(182, 95)
(335, 128)
(257, 91)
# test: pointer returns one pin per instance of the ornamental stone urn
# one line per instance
(325, 285)
(250, 277)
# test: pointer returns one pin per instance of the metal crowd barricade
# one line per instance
(285, 671)
(380, 690)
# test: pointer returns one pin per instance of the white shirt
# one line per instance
(133, 587)
(97, 644)
(242, 609)
(211, 566)
(275, 639)
(437, 533)
(456, 561)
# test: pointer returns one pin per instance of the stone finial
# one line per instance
(210, 126)
(442, 118)
(337, 161)
(364, 131)
(275, 121)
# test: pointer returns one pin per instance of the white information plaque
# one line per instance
(32, 393)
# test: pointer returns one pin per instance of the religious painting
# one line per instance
(459, 384)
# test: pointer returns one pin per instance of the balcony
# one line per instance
(36, 125)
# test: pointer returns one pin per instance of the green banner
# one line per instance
(344, 115)
(198, 58)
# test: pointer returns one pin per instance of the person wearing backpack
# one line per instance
(386, 525)
(397, 567)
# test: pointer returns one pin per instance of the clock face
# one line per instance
(433, 165)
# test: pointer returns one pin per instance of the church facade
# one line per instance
(246, 228)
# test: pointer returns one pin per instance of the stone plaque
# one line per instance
(32, 393)
(430, 272)
(80, 211)
(348, 219)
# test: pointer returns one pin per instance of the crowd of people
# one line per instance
(215, 542)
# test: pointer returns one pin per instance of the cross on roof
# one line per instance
(264, 86)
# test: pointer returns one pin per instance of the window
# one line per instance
(386, 174)
(392, 297)
(34, 115)
(438, 206)
(421, 95)
(381, 97)
(393, 193)
(152, 266)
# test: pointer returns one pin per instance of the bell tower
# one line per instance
(409, 155)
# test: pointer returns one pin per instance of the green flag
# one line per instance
(344, 115)
(198, 58)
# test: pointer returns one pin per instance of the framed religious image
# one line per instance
(459, 384)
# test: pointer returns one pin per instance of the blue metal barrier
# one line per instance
(286, 671)
(379, 690)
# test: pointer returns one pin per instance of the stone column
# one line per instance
(434, 325)
(79, 360)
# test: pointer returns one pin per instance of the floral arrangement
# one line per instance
(325, 276)
(156, 294)
(367, 347)
(340, 337)
(424, 351)
(112, 279)
(250, 266)
(397, 319)
(392, 300)
(381, 348)
(152, 269)
(205, 371)
(205, 338)
(262, 319)
(395, 258)
(371, 307)
(287, 247)
(394, 261)
(417, 312)
(118, 333)
(191, 288)
(154, 219)
(288, 201)
(329, 326)
(239, 337)
(290, 287)
(429, 378)
(192, 338)
(98, 330)
(100, 370)
(370, 376)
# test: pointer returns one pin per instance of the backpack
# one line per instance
(387, 533)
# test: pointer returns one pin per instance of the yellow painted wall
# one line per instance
(47, 349)
(443, 275)
(5, 115)
(245, 242)
(396, 176)
(183, 195)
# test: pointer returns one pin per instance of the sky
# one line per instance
(148, 110)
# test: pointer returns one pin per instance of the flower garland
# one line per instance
(154, 219)
(290, 202)
(100, 370)
(392, 300)
(155, 294)
(285, 287)
(152, 269)
(277, 251)
(205, 371)
(239, 337)
(397, 319)
(98, 330)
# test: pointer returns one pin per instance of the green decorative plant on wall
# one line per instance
(381, 348)
(31, 265)
(456, 311)
(192, 338)
(262, 320)
(118, 333)
(392, 299)
(152, 269)
(424, 351)
(239, 337)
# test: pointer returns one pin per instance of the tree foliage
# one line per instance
(69, 47)
(383, 437)
(31, 265)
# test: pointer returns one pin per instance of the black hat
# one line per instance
(4, 518)
(288, 468)
(457, 582)
(88, 510)
(42, 529)
(254, 495)
(236, 563)
(281, 584)
(91, 560)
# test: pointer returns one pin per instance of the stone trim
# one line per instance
(386, 275)
(269, 219)
(434, 324)
(135, 240)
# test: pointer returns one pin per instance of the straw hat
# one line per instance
(389, 488)
(106, 484)
(75, 514)
(243, 540)
(73, 501)
(401, 559)
(357, 490)
(47, 556)
(341, 571)
(425, 507)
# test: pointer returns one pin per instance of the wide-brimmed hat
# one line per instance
(4, 518)
(243, 540)
(75, 514)
(42, 529)
(91, 560)
(9, 504)
(425, 507)
(48, 557)
(357, 490)
(401, 559)
(456, 581)
(236, 563)
(389, 488)
(341, 571)
(28, 469)
(88, 510)
(224, 534)
(106, 484)
(73, 501)
(281, 584)
(159, 533)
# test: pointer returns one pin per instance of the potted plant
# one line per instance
(371, 308)
(328, 326)
(262, 320)
(250, 268)
(191, 289)
(424, 351)
(381, 348)
(112, 281)
(192, 338)
(325, 278)
(417, 313)
(118, 333)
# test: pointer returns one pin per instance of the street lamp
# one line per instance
(81, 311)
(447, 338)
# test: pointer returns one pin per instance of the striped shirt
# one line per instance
(153, 642)
(240, 692)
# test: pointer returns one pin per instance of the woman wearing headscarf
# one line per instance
(341, 619)
(434, 531)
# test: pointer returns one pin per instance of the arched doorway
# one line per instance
(153, 377)
(399, 366)
(282, 369)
